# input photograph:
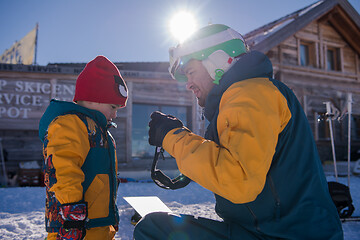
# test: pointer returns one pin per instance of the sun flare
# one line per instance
(182, 25)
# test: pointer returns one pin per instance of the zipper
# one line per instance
(256, 223)
(276, 196)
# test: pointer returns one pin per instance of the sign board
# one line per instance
(27, 100)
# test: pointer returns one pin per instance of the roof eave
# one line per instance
(293, 27)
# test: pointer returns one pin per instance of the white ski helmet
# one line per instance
(216, 45)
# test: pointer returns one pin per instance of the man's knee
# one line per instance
(143, 222)
(146, 227)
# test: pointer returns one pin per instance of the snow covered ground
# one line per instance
(22, 209)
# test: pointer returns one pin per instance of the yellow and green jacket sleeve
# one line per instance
(252, 113)
(69, 145)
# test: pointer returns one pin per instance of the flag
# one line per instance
(23, 51)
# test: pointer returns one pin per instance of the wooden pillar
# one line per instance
(53, 90)
(341, 53)
(298, 51)
(305, 104)
(321, 47)
(324, 56)
(317, 58)
(357, 70)
(280, 55)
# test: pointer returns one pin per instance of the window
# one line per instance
(355, 127)
(304, 55)
(307, 52)
(140, 120)
(322, 127)
(333, 59)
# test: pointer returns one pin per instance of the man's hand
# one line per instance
(160, 124)
(74, 216)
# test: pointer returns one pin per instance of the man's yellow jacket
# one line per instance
(258, 157)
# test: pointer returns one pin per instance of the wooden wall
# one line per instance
(24, 97)
(315, 84)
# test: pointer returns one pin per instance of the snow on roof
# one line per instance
(254, 37)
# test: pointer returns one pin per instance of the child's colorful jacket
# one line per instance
(80, 163)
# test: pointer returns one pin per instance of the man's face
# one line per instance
(199, 80)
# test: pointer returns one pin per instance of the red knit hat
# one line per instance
(101, 82)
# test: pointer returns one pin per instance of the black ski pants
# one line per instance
(168, 226)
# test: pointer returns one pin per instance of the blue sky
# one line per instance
(125, 30)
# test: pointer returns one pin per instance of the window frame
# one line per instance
(304, 59)
(312, 53)
(155, 107)
(336, 58)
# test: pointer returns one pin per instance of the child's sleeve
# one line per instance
(69, 145)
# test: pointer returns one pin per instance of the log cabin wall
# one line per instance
(25, 92)
(316, 80)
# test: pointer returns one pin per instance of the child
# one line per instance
(80, 157)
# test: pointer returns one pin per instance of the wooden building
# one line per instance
(315, 51)
(26, 91)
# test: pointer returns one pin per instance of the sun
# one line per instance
(182, 25)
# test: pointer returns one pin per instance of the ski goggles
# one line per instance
(163, 180)
(174, 66)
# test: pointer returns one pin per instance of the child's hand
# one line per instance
(74, 216)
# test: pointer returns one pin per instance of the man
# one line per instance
(258, 155)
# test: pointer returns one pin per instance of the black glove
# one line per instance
(74, 216)
(160, 124)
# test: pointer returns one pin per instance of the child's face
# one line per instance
(109, 110)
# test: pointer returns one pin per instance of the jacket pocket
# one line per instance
(98, 197)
